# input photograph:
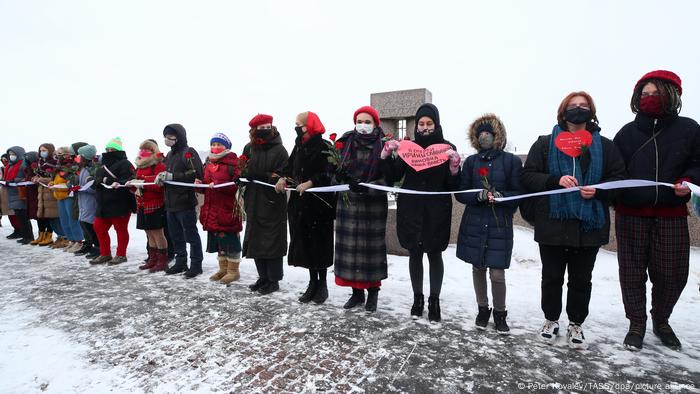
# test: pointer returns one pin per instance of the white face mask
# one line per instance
(364, 128)
(169, 142)
(13, 158)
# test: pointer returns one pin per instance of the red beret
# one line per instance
(260, 119)
(667, 76)
(368, 110)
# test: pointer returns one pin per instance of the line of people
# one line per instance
(78, 195)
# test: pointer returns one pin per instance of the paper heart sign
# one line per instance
(420, 159)
(573, 144)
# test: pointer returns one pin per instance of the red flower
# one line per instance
(484, 171)
(243, 158)
(339, 145)
(188, 155)
(333, 136)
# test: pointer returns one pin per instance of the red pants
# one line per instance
(102, 226)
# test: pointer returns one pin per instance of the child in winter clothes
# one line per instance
(220, 215)
(150, 214)
(86, 201)
(486, 231)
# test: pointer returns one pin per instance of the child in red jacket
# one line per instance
(150, 214)
(220, 215)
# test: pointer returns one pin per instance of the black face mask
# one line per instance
(577, 115)
(299, 130)
(263, 133)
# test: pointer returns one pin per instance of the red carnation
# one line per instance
(333, 136)
(339, 145)
(484, 171)
(188, 155)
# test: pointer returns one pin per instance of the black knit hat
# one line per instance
(430, 111)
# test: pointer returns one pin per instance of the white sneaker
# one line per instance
(574, 335)
(549, 331)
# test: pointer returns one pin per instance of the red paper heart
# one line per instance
(571, 143)
(420, 159)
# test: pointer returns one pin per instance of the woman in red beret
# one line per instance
(651, 223)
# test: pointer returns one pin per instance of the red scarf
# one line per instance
(11, 171)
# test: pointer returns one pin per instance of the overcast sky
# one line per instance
(90, 70)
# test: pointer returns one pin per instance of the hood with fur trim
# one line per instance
(499, 131)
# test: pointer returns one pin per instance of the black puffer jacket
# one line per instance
(114, 202)
(184, 169)
(674, 154)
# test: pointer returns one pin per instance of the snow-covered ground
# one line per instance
(69, 327)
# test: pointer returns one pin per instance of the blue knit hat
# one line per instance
(222, 139)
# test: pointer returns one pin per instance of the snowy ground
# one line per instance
(69, 327)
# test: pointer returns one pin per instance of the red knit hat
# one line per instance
(314, 125)
(260, 119)
(667, 76)
(367, 110)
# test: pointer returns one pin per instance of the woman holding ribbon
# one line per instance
(423, 221)
(571, 227)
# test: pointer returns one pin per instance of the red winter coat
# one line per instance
(220, 212)
(151, 198)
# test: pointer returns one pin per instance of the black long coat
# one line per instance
(311, 215)
(114, 202)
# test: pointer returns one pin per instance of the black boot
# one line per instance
(372, 295)
(321, 294)
(85, 249)
(482, 318)
(179, 267)
(310, 291)
(357, 298)
(15, 235)
(418, 304)
(25, 241)
(634, 340)
(93, 253)
(499, 319)
(269, 287)
(434, 309)
(665, 333)
(258, 284)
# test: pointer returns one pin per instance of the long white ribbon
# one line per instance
(623, 184)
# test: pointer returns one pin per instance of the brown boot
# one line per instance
(60, 243)
(40, 238)
(232, 273)
(150, 260)
(223, 264)
(47, 240)
(161, 259)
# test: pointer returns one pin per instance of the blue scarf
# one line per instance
(591, 212)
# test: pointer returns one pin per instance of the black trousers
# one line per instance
(579, 262)
(270, 269)
(25, 229)
(89, 235)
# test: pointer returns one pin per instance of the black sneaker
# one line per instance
(482, 318)
(499, 319)
(635, 336)
(417, 308)
(665, 333)
(258, 284)
(270, 287)
(357, 298)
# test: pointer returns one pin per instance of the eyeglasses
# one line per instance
(582, 106)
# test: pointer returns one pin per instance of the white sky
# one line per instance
(90, 70)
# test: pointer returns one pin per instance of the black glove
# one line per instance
(355, 187)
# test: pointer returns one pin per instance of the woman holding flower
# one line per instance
(486, 231)
(360, 242)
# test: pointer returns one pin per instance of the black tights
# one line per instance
(44, 225)
(437, 270)
(319, 275)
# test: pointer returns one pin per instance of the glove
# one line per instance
(74, 188)
(497, 194)
(483, 196)
(163, 177)
(355, 187)
(389, 147)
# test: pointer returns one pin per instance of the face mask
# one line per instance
(425, 131)
(486, 140)
(44, 154)
(577, 115)
(13, 158)
(299, 130)
(217, 149)
(364, 128)
(650, 105)
(263, 133)
(168, 142)
(78, 159)
(145, 153)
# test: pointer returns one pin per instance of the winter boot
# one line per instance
(100, 260)
(117, 260)
(77, 245)
(499, 319)
(269, 287)
(372, 296)
(635, 336)
(25, 241)
(232, 272)
(222, 269)
(310, 291)
(85, 249)
(150, 260)
(59, 243)
(434, 309)
(665, 333)
(179, 267)
(15, 235)
(482, 318)
(321, 294)
(47, 241)
(357, 298)
(417, 308)
(258, 284)
(38, 239)
(93, 253)
(161, 261)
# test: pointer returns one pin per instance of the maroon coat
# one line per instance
(152, 197)
(220, 212)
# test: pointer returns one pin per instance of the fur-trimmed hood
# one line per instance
(499, 131)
